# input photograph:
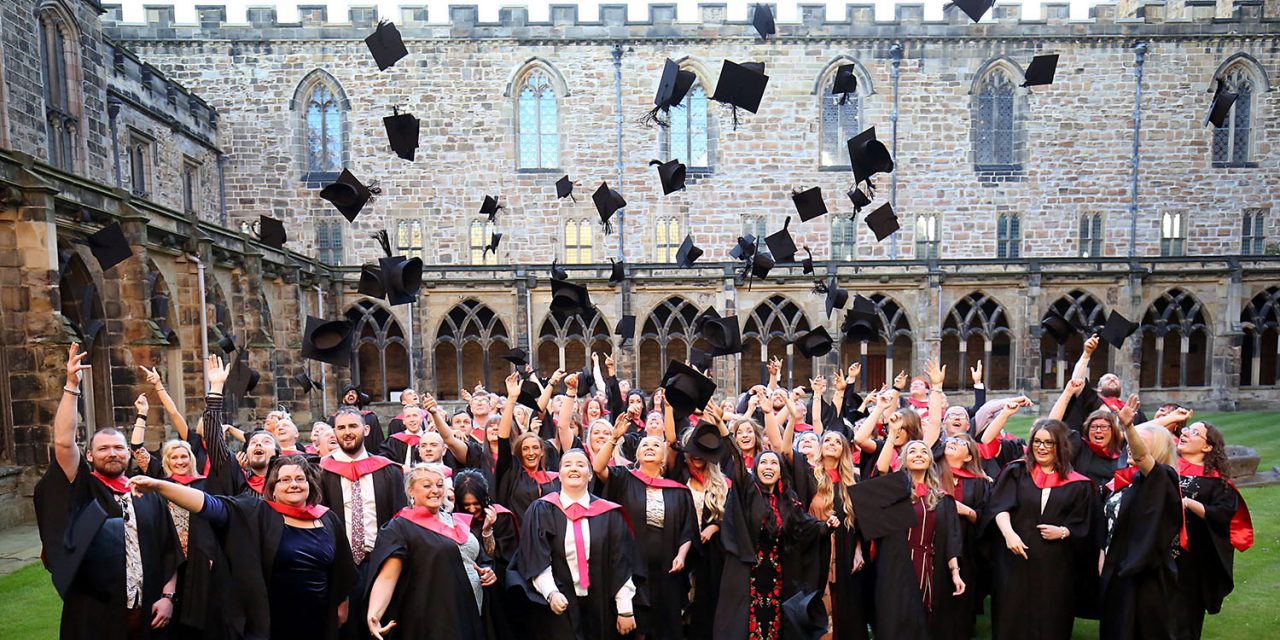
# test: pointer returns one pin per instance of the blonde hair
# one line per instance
(823, 503)
(169, 447)
(974, 465)
(423, 469)
(714, 484)
(1162, 447)
(931, 479)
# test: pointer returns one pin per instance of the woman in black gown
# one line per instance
(840, 554)
(1050, 566)
(520, 472)
(964, 479)
(496, 528)
(1217, 525)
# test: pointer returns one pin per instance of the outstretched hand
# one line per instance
(75, 370)
(152, 377)
(217, 371)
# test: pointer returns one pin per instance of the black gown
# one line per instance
(1059, 575)
(502, 612)
(82, 532)
(705, 561)
(1205, 566)
(542, 540)
(900, 608)
(517, 487)
(402, 446)
(1099, 469)
(663, 595)
(852, 594)
(1138, 573)
(975, 558)
(433, 599)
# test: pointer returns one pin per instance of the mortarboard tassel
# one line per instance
(381, 237)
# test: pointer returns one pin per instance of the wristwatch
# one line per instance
(171, 597)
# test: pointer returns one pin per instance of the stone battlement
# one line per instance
(169, 101)
(814, 22)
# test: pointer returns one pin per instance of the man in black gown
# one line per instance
(113, 556)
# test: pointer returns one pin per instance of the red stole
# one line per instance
(499, 509)
(411, 439)
(1241, 529)
(311, 449)
(921, 489)
(431, 522)
(804, 427)
(256, 482)
(1100, 451)
(918, 404)
(291, 452)
(541, 477)
(1114, 404)
(312, 512)
(184, 479)
(1123, 478)
(354, 470)
(702, 479)
(658, 482)
(1053, 480)
(749, 462)
(834, 474)
(117, 485)
(958, 491)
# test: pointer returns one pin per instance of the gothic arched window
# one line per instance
(889, 353)
(1175, 342)
(665, 336)
(566, 342)
(977, 327)
(60, 70)
(323, 107)
(1260, 319)
(688, 137)
(1232, 141)
(381, 351)
(1086, 315)
(841, 120)
(537, 122)
(996, 122)
(471, 337)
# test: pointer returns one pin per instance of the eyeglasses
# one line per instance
(1102, 426)
(1043, 444)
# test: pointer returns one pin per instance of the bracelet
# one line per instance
(74, 392)
(626, 615)
(487, 534)
(141, 417)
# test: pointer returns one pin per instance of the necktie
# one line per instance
(357, 521)
(584, 577)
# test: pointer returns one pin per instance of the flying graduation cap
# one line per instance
(386, 45)
(807, 263)
(398, 278)
(564, 188)
(109, 246)
(781, 245)
(815, 344)
(607, 201)
(327, 341)
(862, 322)
(688, 253)
(741, 86)
(1221, 105)
(809, 203)
(569, 299)
(557, 271)
(494, 239)
(490, 207)
(672, 88)
(271, 232)
(845, 82)
(686, 389)
(975, 9)
(402, 133)
(836, 297)
(762, 20)
(671, 174)
(724, 335)
(371, 281)
(883, 221)
(744, 249)
(859, 198)
(626, 328)
(1057, 326)
(868, 157)
(348, 195)
(1041, 70)
(1117, 329)
(617, 271)
(304, 381)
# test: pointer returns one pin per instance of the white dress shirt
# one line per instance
(545, 583)
(366, 492)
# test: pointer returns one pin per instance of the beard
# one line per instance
(1109, 391)
(109, 468)
(356, 447)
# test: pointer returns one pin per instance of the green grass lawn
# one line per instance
(30, 608)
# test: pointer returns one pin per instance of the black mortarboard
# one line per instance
(1057, 326)
(401, 278)
(815, 344)
(1041, 70)
(883, 221)
(699, 359)
(558, 272)
(1117, 329)
(242, 379)
(761, 264)
(586, 382)
(371, 281)
(686, 389)
(862, 322)
(327, 341)
(626, 328)
(617, 272)
(808, 262)
(530, 392)
(845, 82)
(227, 342)
(975, 9)
(671, 173)
(688, 253)
(564, 188)
(836, 297)
(271, 232)
(386, 45)
(569, 299)
(883, 505)
(1221, 105)
(762, 20)
(348, 195)
(859, 199)
(809, 203)
(494, 239)
(304, 381)
(490, 207)
(868, 156)
(109, 246)
(740, 86)
(744, 249)
(402, 133)
(705, 442)
(781, 245)
(724, 335)
(673, 86)
(608, 201)
(517, 356)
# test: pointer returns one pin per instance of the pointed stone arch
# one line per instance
(1260, 345)
(892, 351)
(977, 327)
(667, 334)
(771, 328)
(379, 350)
(567, 342)
(1086, 313)
(471, 337)
(1177, 341)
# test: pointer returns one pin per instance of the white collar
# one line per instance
(584, 501)
(341, 456)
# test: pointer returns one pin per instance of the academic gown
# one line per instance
(975, 558)
(503, 613)
(517, 487)
(542, 539)
(433, 599)
(998, 453)
(82, 531)
(1088, 463)
(1040, 597)
(665, 595)
(1139, 573)
(900, 608)
(705, 562)
(203, 580)
(851, 593)
(1205, 566)
(401, 447)
(252, 532)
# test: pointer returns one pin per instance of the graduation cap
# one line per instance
(371, 281)
(836, 297)
(109, 246)
(762, 20)
(617, 272)
(883, 221)
(845, 82)
(723, 335)
(975, 9)
(809, 203)
(227, 342)
(1057, 326)
(868, 157)
(564, 188)
(1117, 329)
(626, 328)
(558, 272)
(386, 45)
(271, 232)
(815, 344)
(705, 442)
(586, 382)
(883, 504)
(699, 359)
(569, 299)
(781, 245)
(530, 392)
(517, 356)
(327, 341)
(402, 133)
(1041, 70)
(673, 86)
(348, 195)
(859, 200)
(242, 379)
(759, 267)
(808, 262)
(741, 87)
(1221, 105)
(862, 322)
(744, 249)
(304, 381)
(494, 239)
(490, 207)
(671, 174)
(687, 390)
(401, 278)
(688, 253)
(608, 201)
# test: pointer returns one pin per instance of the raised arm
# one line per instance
(885, 401)
(1181, 414)
(65, 449)
(190, 499)
(564, 421)
(819, 387)
(142, 407)
(170, 409)
(885, 459)
(775, 373)
(1137, 446)
(1073, 388)
(997, 423)
(668, 416)
(1081, 369)
(457, 446)
(600, 461)
(937, 400)
(509, 407)
(770, 422)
